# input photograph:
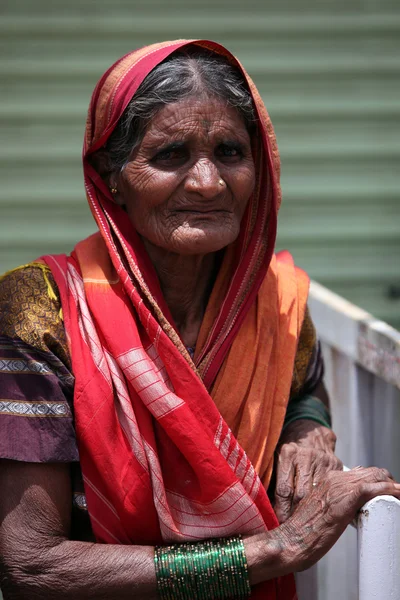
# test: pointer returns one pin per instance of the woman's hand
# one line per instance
(304, 456)
(323, 515)
(317, 523)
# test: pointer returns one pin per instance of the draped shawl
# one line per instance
(171, 448)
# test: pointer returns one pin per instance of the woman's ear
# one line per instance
(101, 162)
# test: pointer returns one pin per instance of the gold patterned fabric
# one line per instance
(29, 314)
(308, 367)
(36, 383)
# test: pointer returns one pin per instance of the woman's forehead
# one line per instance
(203, 116)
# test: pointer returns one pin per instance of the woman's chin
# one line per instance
(196, 234)
(202, 240)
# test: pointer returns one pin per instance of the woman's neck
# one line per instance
(186, 282)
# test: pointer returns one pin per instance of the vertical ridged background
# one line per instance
(328, 73)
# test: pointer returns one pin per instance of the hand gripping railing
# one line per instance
(378, 533)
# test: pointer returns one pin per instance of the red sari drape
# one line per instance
(173, 449)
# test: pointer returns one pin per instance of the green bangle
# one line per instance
(203, 570)
(307, 407)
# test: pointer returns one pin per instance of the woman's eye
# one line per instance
(229, 151)
(170, 155)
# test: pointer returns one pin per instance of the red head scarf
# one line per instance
(160, 463)
(254, 248)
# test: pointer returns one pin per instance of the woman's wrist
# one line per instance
(200, 570)
(308, 433)
(271, 554)
(307, 407)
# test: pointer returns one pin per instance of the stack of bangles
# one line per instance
(307, 407)
(215, 568)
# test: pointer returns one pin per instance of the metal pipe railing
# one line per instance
(362, 375)
(378, 536)
(379, 549)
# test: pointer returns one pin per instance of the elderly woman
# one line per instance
(146, 378)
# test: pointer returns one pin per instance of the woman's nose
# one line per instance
(204, 179)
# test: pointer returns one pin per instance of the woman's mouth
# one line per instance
(202, 211)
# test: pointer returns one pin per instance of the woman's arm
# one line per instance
(39, 561)
(306, 449)
(305, 454)
(37, 558)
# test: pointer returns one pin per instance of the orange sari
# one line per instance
(172, 448)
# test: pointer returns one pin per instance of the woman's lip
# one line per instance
(201, 211)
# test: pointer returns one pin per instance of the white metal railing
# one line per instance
(379, 549)
(362, 374)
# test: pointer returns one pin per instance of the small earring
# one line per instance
(221, 182)
(113, 190)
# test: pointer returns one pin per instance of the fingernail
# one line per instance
(397, 486)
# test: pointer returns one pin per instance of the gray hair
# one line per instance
(191, 72)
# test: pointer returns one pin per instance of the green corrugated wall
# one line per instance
(328, 72)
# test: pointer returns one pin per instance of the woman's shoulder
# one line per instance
(36, 382)
(31, 280)
(30, 307)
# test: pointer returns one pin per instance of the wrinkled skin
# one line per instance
(319, 520)
(306, 453)
(171, 185)
(39, 560)
(185, 189)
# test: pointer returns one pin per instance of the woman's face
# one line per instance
(185, 188)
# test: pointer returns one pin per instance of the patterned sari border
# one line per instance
(37, 408)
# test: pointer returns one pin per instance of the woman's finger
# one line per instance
(311, 469)
(326, 463)
(367, 491)
(284, 489)
(386, 473)
(336, 463)
(372, 474)
(304, 477)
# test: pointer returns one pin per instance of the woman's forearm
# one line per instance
(39, 561)
(71, 570)
(269, 555)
